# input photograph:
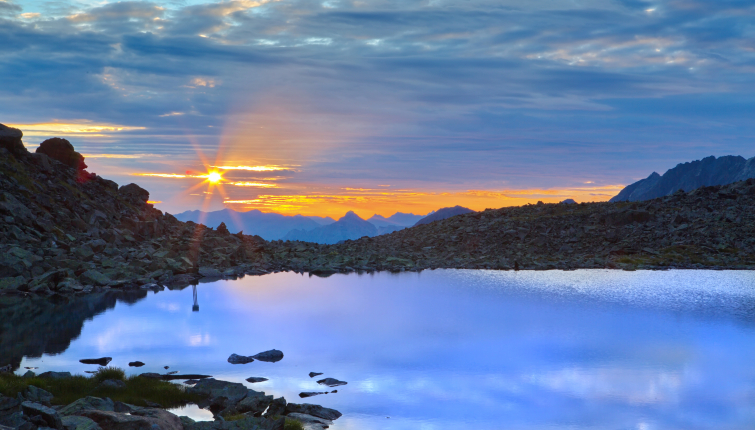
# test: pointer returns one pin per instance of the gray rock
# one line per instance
(55, 375)
(29, 374)
(12, 283)
(314, 410)
(239, 359)
(93, 277)
(270, 356)
(50, 415)
(134, 193)
(277, 407)
(10, 139)
(209, 272)
(87, 403)
(79, 423)
(254, 379)
(38, 395)
(100, 361)
(220, 394)
(113, 384)
(331, 382)
(310, 422)
(255, 403)
(141, 419)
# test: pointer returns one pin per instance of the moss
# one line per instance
(137, 392)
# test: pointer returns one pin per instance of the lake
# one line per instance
(586, 349)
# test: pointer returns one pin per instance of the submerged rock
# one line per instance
(270, 356)
(314, 410)
(313, 374)
(239, 359)
(100, 361)
(135, 364)
(254, 379)
(331, 382)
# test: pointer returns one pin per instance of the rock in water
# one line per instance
(101, 361)
(314, 410)
(136, 364)
(568, 202)
(239, 359)
(306, 394)
(331, 382)
(313, 374)
(254, 379)
(269, 356)
(62, 150)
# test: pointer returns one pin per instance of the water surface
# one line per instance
(589, 349)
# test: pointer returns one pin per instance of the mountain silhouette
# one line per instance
(443, 214)
(689, 176)
(269, 226)
(350, 226)
(397, 219)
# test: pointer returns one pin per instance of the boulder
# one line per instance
(134, 193)
(269, 356)
(12, 283)
(37, 395)
(100, 361)
(331, 382)
(79, 423)
(62, 150)
(50, 415)
(10, 139)
(93, 277)
(209, 272)
(254, 402)
(220, 394)
(87, 403)
(239, 359)
(314, 410)
(276, 408)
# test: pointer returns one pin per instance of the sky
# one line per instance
(320, 107)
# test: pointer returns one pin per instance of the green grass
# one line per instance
(290, 424)
(137, 390)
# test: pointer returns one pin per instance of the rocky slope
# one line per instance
(689, 176)
(443, 213)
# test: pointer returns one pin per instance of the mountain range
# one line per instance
(689, 176)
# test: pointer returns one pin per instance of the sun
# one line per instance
(214, 177)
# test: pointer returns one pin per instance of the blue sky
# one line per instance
(425, 98)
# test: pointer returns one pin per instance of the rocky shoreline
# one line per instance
(64, 230)
(234, 407)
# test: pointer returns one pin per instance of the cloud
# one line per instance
(480, 94)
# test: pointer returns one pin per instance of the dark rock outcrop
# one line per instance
(103, 361)
(689, 176)
(270, 356)
(10, 139)
(62, 150)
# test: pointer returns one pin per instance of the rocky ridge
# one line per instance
(64, 230)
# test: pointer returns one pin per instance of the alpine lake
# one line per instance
(442, 349)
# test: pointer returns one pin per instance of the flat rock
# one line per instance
(311, 422)
(50, 415)
(141, 419)
(55, 375)
(135, 364)
(314, 410)
(256, 403)
(331, 382)
(313, 374)
(239, 359)
(209, 272)
(270, 356)
(100, 361)
(254, 379)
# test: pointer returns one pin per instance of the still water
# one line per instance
(588, 349)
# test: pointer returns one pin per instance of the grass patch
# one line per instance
(292, 424)
(137, 391)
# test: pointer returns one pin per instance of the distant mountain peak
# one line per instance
(689, 176)
(350, 215)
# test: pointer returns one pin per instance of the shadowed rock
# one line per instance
(269, 356)
(10, 139)
(331, 382)
(62, 150)
(239, 359)
(134, 193)
(100, 361)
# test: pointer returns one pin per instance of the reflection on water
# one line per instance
(441, 349)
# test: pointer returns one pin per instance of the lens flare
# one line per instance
(214, 177)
